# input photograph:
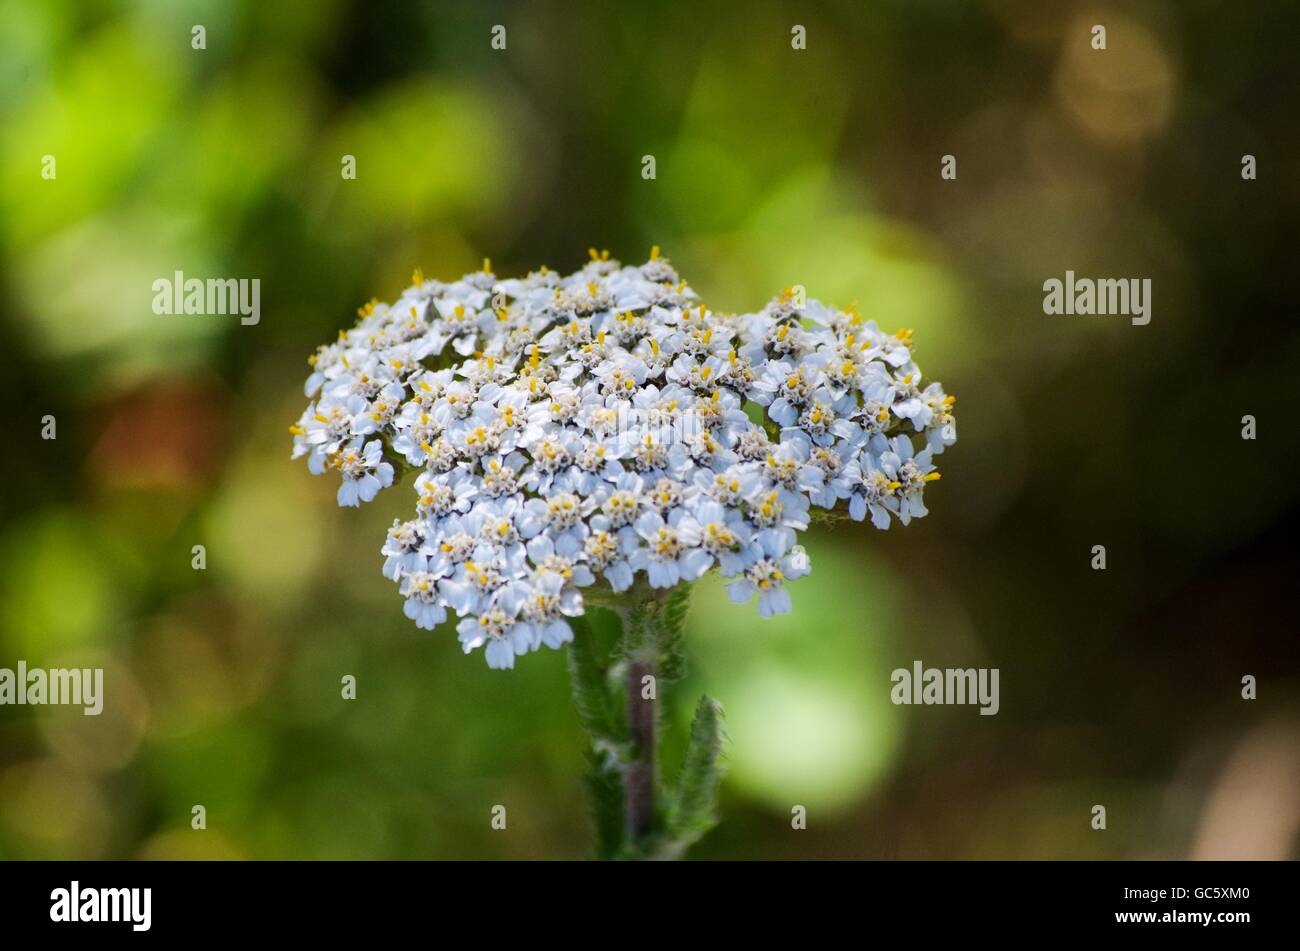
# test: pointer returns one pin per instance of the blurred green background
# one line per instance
(774, 167)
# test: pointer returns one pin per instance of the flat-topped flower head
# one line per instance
(606, 429)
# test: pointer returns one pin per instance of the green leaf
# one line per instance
(672, 640)
(588, 674)
(693, 808)
(606, 784)
(599, 713)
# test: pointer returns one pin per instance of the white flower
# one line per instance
(364, 471)
(723, 536)
(606, 428)
(500, 631)
(669, 554)
(406, 549)
(767, 576)
(422, 605)
(548, 603)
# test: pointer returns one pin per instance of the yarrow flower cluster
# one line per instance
(607, 426)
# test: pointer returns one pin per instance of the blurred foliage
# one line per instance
(774, 167)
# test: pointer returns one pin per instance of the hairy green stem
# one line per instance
(616, 693)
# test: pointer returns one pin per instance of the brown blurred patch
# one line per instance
(168, 434)
(1121, 96)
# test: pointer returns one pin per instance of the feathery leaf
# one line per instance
(693, 808)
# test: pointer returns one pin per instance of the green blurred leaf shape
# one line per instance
(807, 693)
